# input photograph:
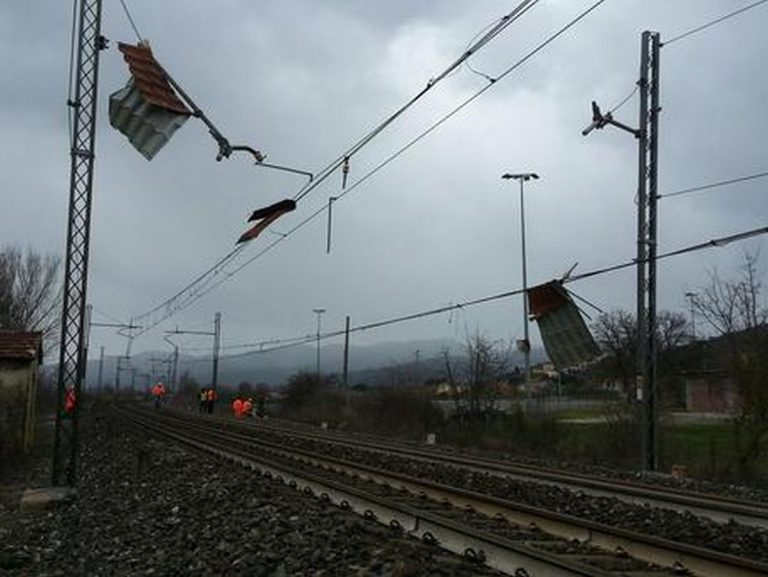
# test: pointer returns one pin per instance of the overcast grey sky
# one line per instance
(303, 80)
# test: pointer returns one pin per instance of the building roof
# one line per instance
(22, 345)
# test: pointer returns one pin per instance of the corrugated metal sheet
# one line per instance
(21, 345)
(146, 109)
(149, 78)
(147, 127)
(565, 334)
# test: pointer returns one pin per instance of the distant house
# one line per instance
(710, 392)
(21, 355)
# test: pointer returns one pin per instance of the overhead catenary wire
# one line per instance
(713, 185)
(407, 146)
(624, 100)
(174, 304)
(322, 175)
(495, 29)
(713, 22)
(130, 19)
(223, 276)
(297, 341)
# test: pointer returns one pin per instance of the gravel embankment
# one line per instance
(147, 507)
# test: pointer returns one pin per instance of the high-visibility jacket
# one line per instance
(70, 401)
(237, 408)
(210, 395)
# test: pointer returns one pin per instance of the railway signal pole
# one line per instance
(647, 135)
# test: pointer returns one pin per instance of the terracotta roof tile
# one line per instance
(149, 78)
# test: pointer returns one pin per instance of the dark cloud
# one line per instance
(303, 80)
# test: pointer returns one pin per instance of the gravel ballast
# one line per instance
(148, 507)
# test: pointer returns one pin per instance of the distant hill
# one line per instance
(375, 364)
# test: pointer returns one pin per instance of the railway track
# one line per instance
(517, 539)
(711, 506)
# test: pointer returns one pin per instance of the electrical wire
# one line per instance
(714, 22)
(495, 30)
(409, 144)
(174, 304)
(216, 269)
(625, 99)
(130, 19)
(209, 274)
(297, 341)
(713, 185)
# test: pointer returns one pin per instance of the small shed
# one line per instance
(21, 354)
(710, 392)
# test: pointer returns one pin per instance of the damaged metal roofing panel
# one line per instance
(149, 78)
(146, 109)
(566, 337)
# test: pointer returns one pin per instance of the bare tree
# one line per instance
(475, 378)
(737, 312)
(29, 291)
(616, 333)
(733, 306)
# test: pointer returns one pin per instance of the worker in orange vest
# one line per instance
(248, 407)
(158, 394)
(210, 395)
(69, 401)
(237, 408)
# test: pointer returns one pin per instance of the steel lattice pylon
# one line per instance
(72, 351)
(647, 198)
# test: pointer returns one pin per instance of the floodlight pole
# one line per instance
(647, 196)
(522, 178)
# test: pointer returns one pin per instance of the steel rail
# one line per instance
(640, 546)
(715, 507)
(496, 552)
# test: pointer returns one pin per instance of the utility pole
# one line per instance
(101, 368)
(175, 370)
(216, 334)
(691, 296)
(216, 346)
(90, 42)
(175, 363)
(319, 313)
(647, 135)
(331, 200)
(346, 354)
(129, 326)
(649, 117)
